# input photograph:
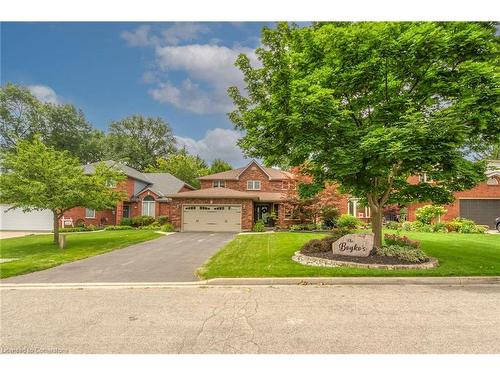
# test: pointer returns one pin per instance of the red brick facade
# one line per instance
(481, 191)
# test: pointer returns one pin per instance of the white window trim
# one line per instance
(424, 178)
(217, 183)
(253, 183)
(149, 203)
(356, 210)
(86, 213)
(492, 181)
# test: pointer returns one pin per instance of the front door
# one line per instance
(262, 212)
(126, 211)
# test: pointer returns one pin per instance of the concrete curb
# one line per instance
(274, 281)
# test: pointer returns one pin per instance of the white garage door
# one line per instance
(25, 221)
(211, 218)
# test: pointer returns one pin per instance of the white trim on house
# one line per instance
(218, 183)
(89, 213)
(253, 184)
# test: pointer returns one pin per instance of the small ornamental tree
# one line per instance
(366, 105)
(37, 177)
(429, 213)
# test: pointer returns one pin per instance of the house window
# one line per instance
(148, 206)
(253, 185)
(219, 183)
(492, 181)
(423, 178)
(288, 213)
(89, 213)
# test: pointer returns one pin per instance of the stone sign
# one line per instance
(355, 245)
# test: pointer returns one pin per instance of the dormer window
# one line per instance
(219, 183)
(253, 185)
(492, 181)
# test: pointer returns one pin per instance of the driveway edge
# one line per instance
(271, 281)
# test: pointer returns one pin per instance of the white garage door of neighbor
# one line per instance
(25, 221)
(211, 218)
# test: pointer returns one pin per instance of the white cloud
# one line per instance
(204, 64)
(143, 36)
(140, 37)
(217, 144)
(190, 97)
(45, 94)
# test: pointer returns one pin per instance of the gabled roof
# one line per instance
(128, 171)
(234, 174)
(162, 184)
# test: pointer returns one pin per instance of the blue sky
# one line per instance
(178, 71)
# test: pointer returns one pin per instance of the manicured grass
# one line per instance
(37, 252)
(269, 255)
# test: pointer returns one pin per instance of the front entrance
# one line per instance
(263, 211)
(126, 211)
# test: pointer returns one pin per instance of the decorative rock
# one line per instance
(356, 245)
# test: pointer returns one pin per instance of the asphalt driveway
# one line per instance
(169, 258)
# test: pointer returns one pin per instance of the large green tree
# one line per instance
(183, 166)
(368, 104)
(38, 177)
(219, 165)
(61, 126)
(140, 141)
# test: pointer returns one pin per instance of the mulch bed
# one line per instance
(372, 259)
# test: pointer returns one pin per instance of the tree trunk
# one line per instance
(376, 215)
(56, 227)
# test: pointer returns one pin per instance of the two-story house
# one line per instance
(234, 200)
(146, 194)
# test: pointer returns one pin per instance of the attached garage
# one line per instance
(211, 218)
(482, 211)
(25, 221)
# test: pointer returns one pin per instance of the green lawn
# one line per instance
(37, 252)
(269, 255)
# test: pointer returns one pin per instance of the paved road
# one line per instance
(169, 258)
(285, 319)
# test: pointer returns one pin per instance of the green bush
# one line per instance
(349, 222)
(167, 228)
(429, 213)
(407, 226)
(150, 227)
(118, 227)
(126, 221)
(393, 225)
(88, 228)
(323, 245)
(163, 220)
(330, 216)
(141, 221)
(406, 253)
(258, 226)
(439, 228)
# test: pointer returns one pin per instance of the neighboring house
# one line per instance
(234, 200)
(481, 203)
(16, 219)
(147, 194)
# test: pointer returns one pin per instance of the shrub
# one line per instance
(89, 228)
(406, 253)
(258, 226)
(118, 227)
(330, 216)
(394, 239)
(163, 220)
(439, 228)
(167, 228)
(140, 221)
(407, 226)
(349, 222)
(325, 244)
(429, 213)
(126, 221)
(296, 227)
(150, 227)
(393, 225)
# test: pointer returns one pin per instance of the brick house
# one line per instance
(147, 194)
(481, 203)
(234, 200)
